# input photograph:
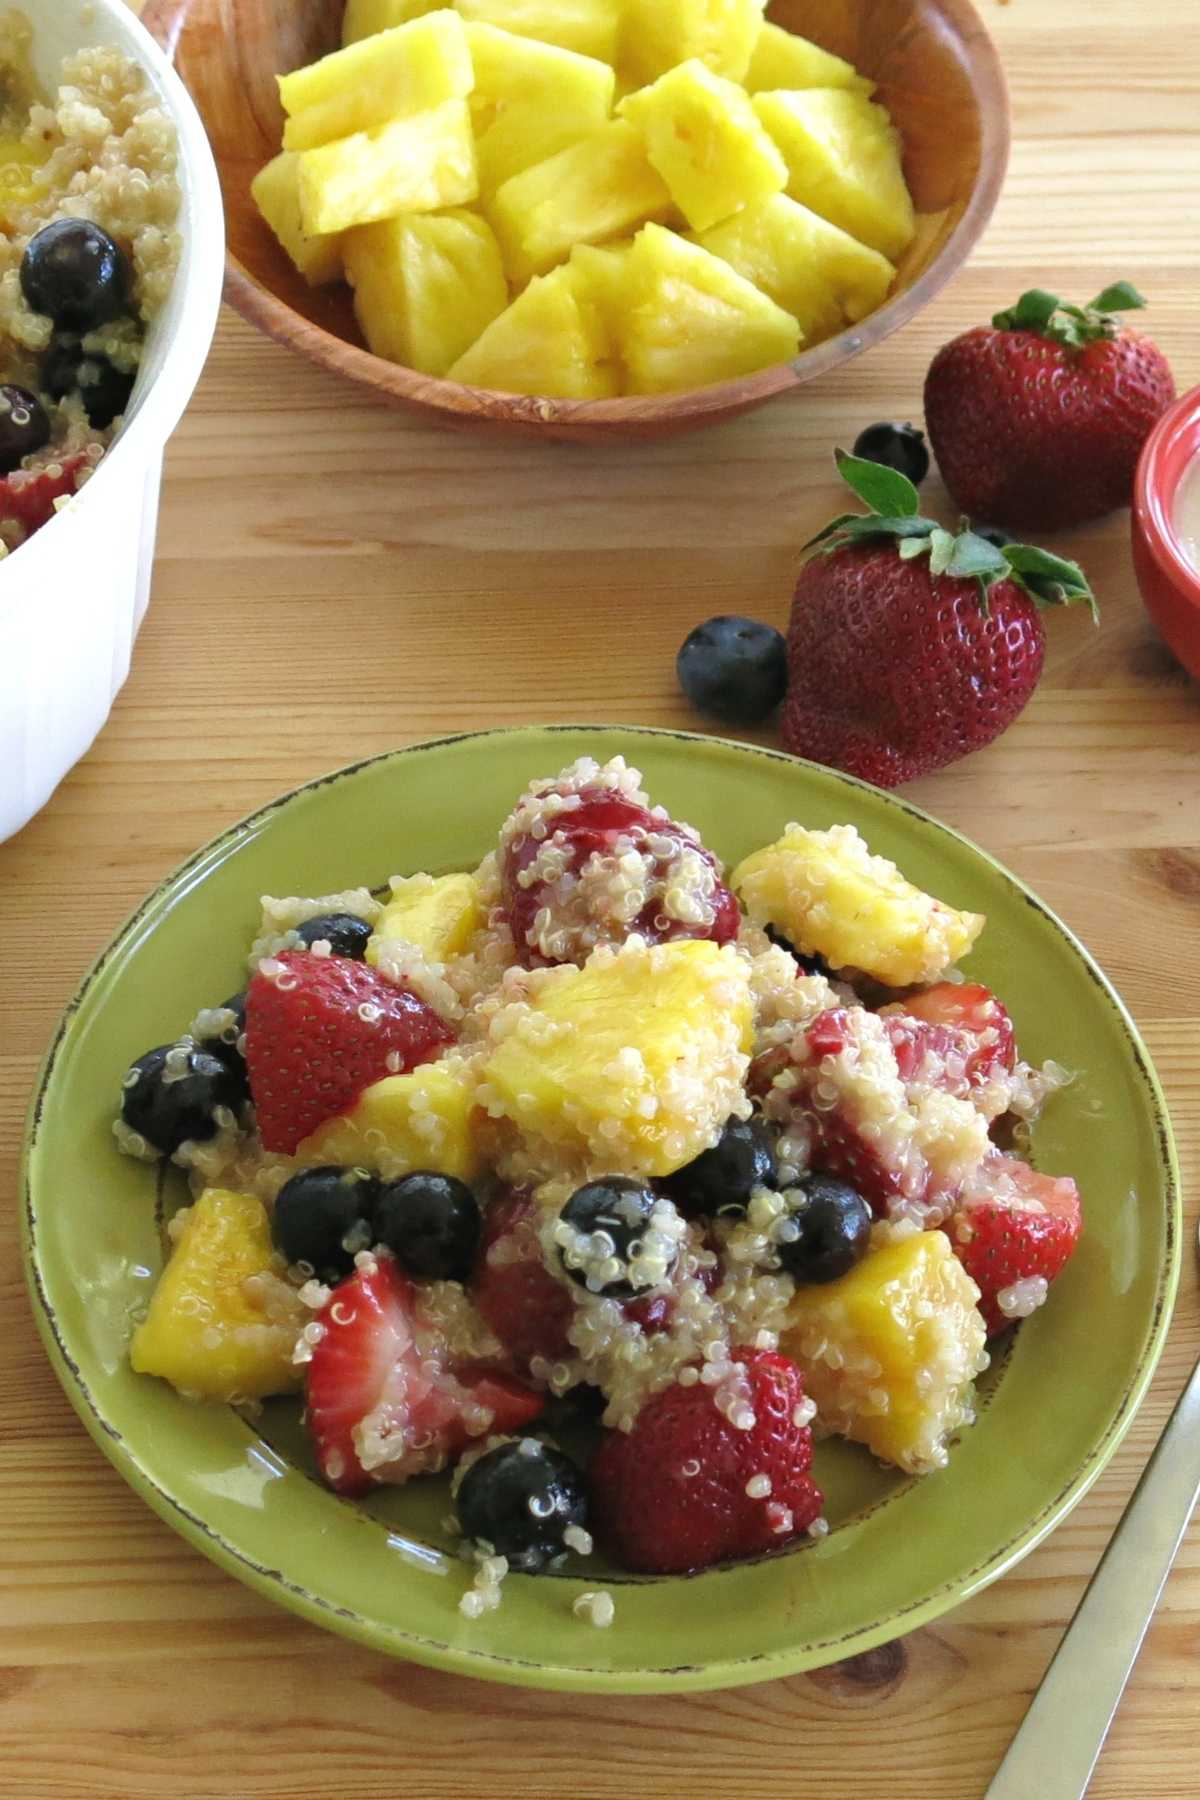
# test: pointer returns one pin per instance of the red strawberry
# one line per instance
(28, 495)
(606, 823)
(910, 647)
(526, 1306)
(956, 1035)
(320, 1029)
(672, 1493)
(369, 1385)
(1014, 1224)
(1037, 420)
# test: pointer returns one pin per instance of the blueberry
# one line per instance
(609, 1241)
(518, 1501)
(167, 1105)
(321, 1211)
(225, 1042)
(76, 274)
(734, 668)
(720, 1181)
(833, 1227)
(345, 933)
(104, 389)
(899, 447)
(24, 427)
(431, 1222)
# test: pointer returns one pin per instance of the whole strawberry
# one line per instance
(687, 1487)
(910, 646)
(1037, 421)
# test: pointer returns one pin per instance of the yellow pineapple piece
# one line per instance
(843, 157)
(364, 18)
(704, 138)
(631, 1064)
(602, 276)
(820, 274)
(658, 34)
(531, 100)
(693, 320)
(222, 1323)
(418, 164)
(595, 189)
(889, 1351)
(552, 341)
(439, 914)
(782, 60)
(19, 183)
(425, 285)
(400, 72)
(830, 897)
(276, 193)
(589, 27)
(422, 1120)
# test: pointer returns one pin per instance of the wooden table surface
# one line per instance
(333, 581)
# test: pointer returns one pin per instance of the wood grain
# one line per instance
(335, 579)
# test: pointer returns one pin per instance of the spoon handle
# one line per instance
(1059, 1742)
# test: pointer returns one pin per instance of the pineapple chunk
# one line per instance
(693, 320)
(276, 193)
(595, 189)
(222, 1323)
(552, 341)
(530, 101)
(631, 1064)
(890, 1350)
(391, 76)
(413, 165)
(658, 34)
(602, 275)
(830, 897)
(822, 276)
(589, 27)
(364, 18)
(425, 286)
(843, 157)
(423, 1120)
(783, 60)
(704, 138)
(440, 915)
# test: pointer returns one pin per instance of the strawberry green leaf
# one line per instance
(976, 556)
(1033, 312)
(909, 547)
(884, 490)
(1051, 580)
(1074, 327)
(941, 551)
(1122, 296)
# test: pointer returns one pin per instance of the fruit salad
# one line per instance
(618, 196)
(714, 1162)
(88, 251)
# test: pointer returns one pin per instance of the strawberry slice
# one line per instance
(27, 496)
(385, 1399)
(955, 1036)
(320, 1029)
(526, 1306)
(1013, 1233)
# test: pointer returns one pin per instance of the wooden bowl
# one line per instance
(938, 74)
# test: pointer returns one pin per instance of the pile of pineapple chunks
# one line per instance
(577, 199)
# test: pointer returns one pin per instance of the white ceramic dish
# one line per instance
(73, 597)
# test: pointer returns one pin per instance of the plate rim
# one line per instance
(389, 1639)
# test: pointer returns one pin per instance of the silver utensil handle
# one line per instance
(1057, 1746)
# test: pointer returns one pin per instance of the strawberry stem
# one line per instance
(1074, 327)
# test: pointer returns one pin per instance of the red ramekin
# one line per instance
(1170, 585)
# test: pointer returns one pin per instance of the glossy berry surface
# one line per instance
(519, 1499)
(721, 1180)
(833, 1229)
(224, 1043)
(76, 274)
(167, 1108)
(612, 1220)
(24, 426)
(345, 933)
(318, 1213)
(104, 389)
(431, 1223)
(900, 447)
(733, 668)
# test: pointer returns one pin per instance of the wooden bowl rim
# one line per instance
(401, 386)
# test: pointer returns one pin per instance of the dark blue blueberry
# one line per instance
(720, 1181)
(225, 1044)
(104, 389)
(517, 1501)
(620, 1209)
(323, 1216)
(733, 668)
(24, 427)
(833, 1229)
(75, 274)
(345, 933)
(168, 1109)
(899, 447)
(431, 1222)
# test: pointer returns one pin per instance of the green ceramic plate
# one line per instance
(900, 1553)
